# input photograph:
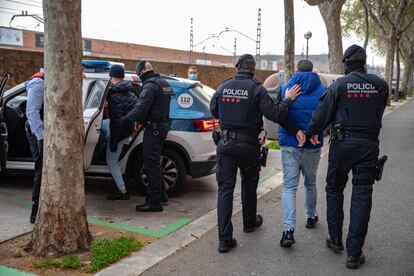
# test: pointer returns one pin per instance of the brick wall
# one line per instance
(22, 64)
(112, 49)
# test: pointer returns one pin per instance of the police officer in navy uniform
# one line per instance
(153, 111)
(353, 105)
(240, 104)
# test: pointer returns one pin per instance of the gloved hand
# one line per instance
(40, 145)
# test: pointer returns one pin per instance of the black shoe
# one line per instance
(335, 244)
(33, 214)
(164, 198)
(355, 262)
(257, 224)
(311, 223)
(225, 246)
(287, 238)
(149, 208)
(118, 196)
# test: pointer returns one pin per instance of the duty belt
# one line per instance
(362, 135)
(157, 125)
(240, 137)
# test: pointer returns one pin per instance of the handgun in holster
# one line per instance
(263, 156)
(264, 151)
(216, 136)
(335, 133)
(379, 168)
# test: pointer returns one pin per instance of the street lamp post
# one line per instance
(307, 35)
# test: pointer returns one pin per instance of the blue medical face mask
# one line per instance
(192, 76)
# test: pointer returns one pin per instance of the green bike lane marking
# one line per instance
(7, 271)
(163, 232)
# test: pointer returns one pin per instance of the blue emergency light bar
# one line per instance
(98, 65)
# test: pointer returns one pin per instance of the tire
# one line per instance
(172, 167)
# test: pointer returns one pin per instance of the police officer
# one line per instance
(34, 132)
(240, 104)
(152, 110)
(353, 105)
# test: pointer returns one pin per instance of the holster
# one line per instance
(263, 156)
(216, 136)
(335, 133)
(379, 168)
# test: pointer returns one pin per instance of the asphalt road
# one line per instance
(389, 244)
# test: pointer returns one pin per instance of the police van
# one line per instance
(188, 150)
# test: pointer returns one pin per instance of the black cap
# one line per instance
(243, 58)
(117, 71)
(351, 49)
(140, 66)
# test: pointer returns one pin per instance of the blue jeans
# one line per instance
(295, 160)
(112, 157)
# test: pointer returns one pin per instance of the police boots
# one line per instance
(335, 244)
(354, 262)
(225, 246)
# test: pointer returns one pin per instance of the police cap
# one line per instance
(140, 66)
(351, 50)
(243, 58)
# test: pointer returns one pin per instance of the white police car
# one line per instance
(188, 149)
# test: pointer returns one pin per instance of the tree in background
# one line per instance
(388, 21)
(407, 51)
(331, 12)
(289, 39)
(392, 18)
(61, 226)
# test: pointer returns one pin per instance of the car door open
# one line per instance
(3, 126)
(92, 116)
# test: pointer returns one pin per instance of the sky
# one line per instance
(167, 24)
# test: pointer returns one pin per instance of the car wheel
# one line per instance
(172, 169)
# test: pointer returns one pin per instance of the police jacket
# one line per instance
(153, 103)
(240, 103)
(355, 101)
(300, 112)
(121, 100)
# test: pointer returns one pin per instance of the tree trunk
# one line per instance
(61, 226)
(389, 66)
(408, 69)
(331, 14)
(397, 78)
(366, 14)
(289, 39)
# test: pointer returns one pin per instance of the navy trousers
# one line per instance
(230, 157)
(153, 142)
(343, 156)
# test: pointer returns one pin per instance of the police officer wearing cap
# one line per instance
(240, 103)
(353, 105)
(152, 110)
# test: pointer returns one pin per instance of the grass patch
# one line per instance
(274, 145)
(18, 254)
(105, 252)
(48, 264)
(70, 261)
